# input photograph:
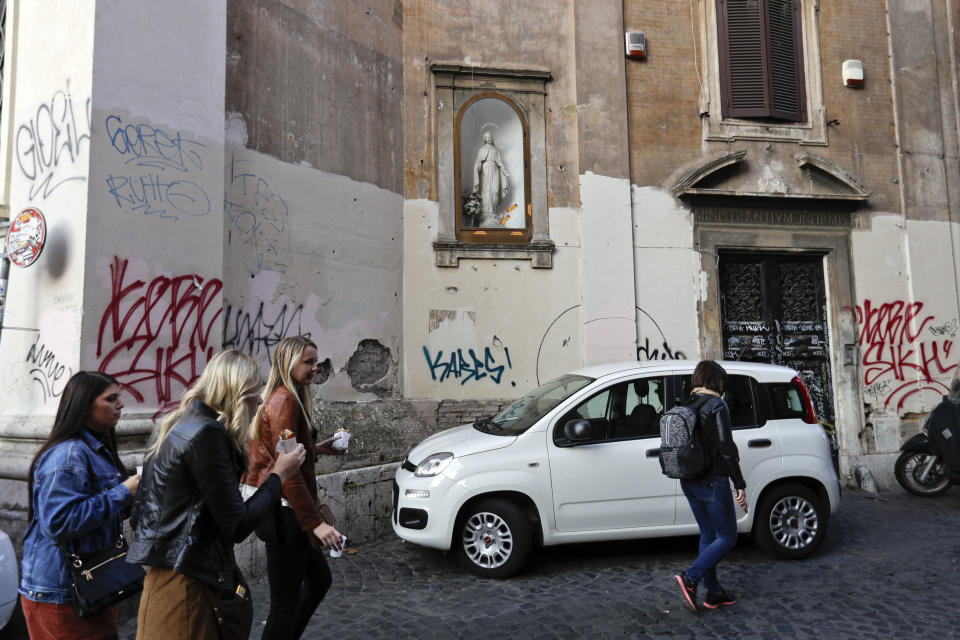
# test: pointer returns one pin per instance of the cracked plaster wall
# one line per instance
(313, 215)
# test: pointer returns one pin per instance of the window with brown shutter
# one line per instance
(761, 59)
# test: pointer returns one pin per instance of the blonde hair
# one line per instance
(285, 358)
(226, 382)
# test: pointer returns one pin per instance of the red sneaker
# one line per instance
(688, 589)
(717, 600)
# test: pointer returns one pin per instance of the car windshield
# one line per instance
(523, 413)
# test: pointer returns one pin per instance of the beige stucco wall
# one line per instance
(522, 324)
(129, 177)
(154, 267)
(45, 301)
(667, 276)
(312, 231)
(307, 252)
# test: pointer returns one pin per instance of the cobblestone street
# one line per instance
(887, 569)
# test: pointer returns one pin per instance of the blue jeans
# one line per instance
(712, 504)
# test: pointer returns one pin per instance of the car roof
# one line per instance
(761, 371)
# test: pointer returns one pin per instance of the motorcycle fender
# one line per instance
(919, 442)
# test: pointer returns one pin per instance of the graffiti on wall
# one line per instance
(159, 176)
(48, 145)
(663, 352)
(467, 367)
(258, 332)
(904, 351)
(47, 370)
(257, 213)
(155, 337)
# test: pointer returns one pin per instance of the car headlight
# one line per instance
(433, 464)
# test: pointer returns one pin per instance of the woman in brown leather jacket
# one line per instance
(709, 496)
(296, 567)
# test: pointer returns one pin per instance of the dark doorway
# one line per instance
(773, 309)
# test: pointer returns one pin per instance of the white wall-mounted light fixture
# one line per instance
(852, 73)
(636, 45)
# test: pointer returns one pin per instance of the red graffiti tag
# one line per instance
(156, 335)
(891, 345)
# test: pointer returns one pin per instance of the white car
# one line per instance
(9, 579)
(533, 475)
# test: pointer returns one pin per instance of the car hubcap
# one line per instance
(487, 540)
(794, 522)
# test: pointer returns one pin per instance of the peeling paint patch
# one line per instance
(235, 129)
(437, 317)
(704, 285)
(368, 368)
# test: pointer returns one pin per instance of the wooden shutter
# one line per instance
(741, 43)
(787, 99)
(761, 62)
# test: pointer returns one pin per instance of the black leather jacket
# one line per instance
(189, 513)
(717, 438)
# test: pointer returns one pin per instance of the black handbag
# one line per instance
(102, 578)
(235, 611)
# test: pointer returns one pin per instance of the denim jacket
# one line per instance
(78, 500)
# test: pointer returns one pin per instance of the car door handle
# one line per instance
(759, 444)
(653, 453)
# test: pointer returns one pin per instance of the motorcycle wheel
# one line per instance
(911, 464)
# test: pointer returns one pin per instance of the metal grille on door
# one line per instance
(773, 309)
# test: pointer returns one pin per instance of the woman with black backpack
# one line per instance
(709, 495)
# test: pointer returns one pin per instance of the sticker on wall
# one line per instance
(26, 237)
(529, 209)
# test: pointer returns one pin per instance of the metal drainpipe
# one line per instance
(4, 268)
(4, 276)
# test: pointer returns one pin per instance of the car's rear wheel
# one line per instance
(791, 522)
(494, 538)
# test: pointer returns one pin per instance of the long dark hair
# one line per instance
(79, 394)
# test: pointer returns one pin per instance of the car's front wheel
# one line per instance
(494, 538)
(791, 522)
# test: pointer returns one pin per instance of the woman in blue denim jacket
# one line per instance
(79, 490)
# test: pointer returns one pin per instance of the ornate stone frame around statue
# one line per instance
(457, 88)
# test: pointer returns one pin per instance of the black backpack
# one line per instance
(681, 452)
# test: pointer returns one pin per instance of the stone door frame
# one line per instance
(833, 242)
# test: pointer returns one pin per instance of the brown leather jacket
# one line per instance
(282, 411)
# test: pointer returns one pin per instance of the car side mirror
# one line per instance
(577, 430)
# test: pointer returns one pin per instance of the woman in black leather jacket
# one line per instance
(709, 496)
(189, 512)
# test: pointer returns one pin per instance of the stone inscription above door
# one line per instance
(758, 216)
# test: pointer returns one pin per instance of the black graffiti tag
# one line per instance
(48, 371)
